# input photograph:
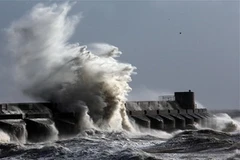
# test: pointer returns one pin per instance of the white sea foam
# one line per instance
(4, 137)
(221, 122)
(49, 67)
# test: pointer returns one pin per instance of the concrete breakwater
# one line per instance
(169, 119)
(45, 120)
(178, 111)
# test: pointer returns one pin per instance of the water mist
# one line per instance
(49, 67)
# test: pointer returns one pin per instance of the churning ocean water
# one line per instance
(93, 83)
(95, 144)
(203, 143)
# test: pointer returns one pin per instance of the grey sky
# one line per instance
(203, 58)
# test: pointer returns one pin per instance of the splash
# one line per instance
(4, 137)
(41, 130)
(222, 122)
(49, 67)
(199, 105)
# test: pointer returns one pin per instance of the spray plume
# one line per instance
(222, 122)
(49, 67)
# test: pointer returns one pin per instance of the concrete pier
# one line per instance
(140, 118)
(38, 129)
(156, 121)
(172, 112)
(169, 121)
(188, 119)
(178, 112)
(191, 113)
(180, 122)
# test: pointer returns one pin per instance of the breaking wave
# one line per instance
(49, 67)
(221, 122)
(118, 145)
(4, 137)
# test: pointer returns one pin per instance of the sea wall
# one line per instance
(169, 119)
(163, 115)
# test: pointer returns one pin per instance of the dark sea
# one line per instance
(92, 144)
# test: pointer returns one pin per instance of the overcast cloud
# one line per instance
(176, 46)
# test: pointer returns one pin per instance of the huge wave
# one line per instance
(49, 67)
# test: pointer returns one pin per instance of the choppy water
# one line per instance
(48, 67)
(94, 144)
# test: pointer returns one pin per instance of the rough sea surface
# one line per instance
(92, 144)
(198, 144)
(94, 83)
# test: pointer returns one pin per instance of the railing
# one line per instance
(166, 98)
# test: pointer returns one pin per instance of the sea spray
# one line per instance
(15, 129)
(221, 122)
(21, 133)
(4, 137)
(41, 129)
(141, 131)
(49, 67)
